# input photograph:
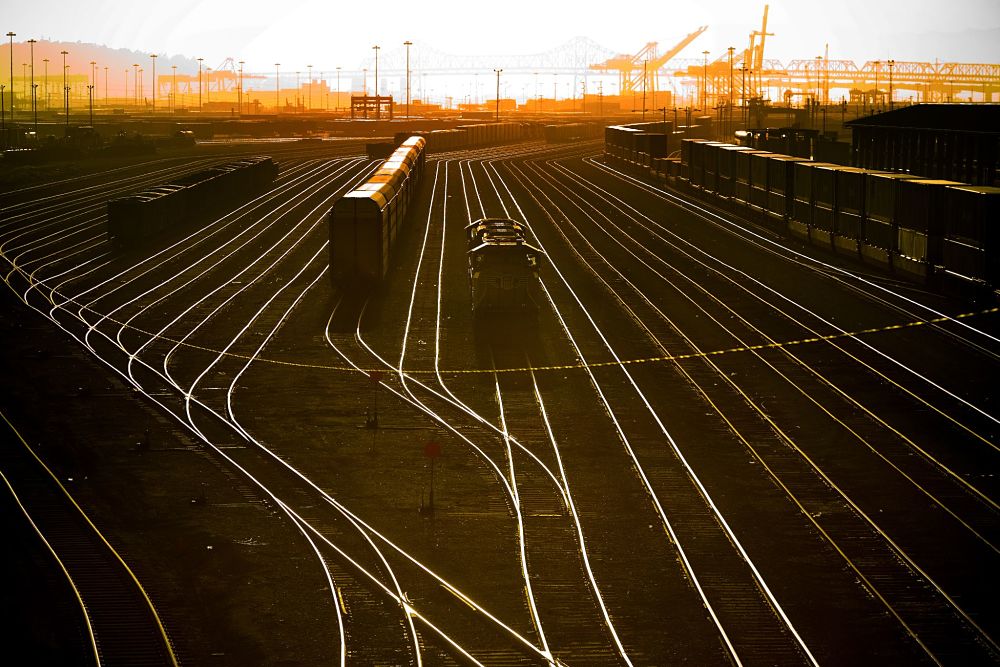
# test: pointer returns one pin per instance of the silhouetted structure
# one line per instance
(371, 106)
(952, 141)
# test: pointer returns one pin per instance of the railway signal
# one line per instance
(432, 450)
(371, 421)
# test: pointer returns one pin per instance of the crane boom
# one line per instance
(630, 68)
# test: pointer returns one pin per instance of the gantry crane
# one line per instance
(756, 52)
(631, 69)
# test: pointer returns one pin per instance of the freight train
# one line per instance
(925, 230)
(187, 201)
(571, 132)
(503, 270)
(365, 222)
(473, 136)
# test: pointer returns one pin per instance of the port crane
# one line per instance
(633, 68)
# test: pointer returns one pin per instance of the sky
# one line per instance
(327, 33)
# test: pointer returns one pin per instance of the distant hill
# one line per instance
(80, 54)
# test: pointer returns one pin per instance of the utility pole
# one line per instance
(173, 86)
(310, 103)
(105, 85)
(408, 44)
(239, 97)
(199, 83)
(498, 93)
(45, 86)
(338, 89)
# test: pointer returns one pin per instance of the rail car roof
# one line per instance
(494, 221)
(503, 246)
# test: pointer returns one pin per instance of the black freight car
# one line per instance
(187, 201)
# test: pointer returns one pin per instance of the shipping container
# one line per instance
(920, 216)
(726, 176)
(972, 232)
(780, 194)
(850, 205)
(878, 225)
(801, 222)
(742, 161)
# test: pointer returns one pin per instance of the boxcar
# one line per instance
(364, 223)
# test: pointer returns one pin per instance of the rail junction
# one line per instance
(718, 445)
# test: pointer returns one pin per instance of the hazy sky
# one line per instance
(327, 33)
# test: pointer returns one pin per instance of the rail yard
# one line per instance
(713, 442)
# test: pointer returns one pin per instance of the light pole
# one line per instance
(814, 107)
(12, 35)
(298, 90)
(378, 105)
(34, 101)
(407, 44)
(732, 50)
(310, 103)
(208, 87)
(743, 94)
(65, 89)
(135, 85)
(498, 93)
(105, 85)
(338, 89)
(240, 95)
(704, 96)
(644, 90)
(199, 83)
(153, 57)
(173, 87)
(93, 76)
(364, 80)
(90, 91)
(277, 88)
(877, 63)
(891, 63)
(45, 86)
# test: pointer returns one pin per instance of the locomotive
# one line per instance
(503, 270)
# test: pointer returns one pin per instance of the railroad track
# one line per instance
(120, 624)
(563, 528)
